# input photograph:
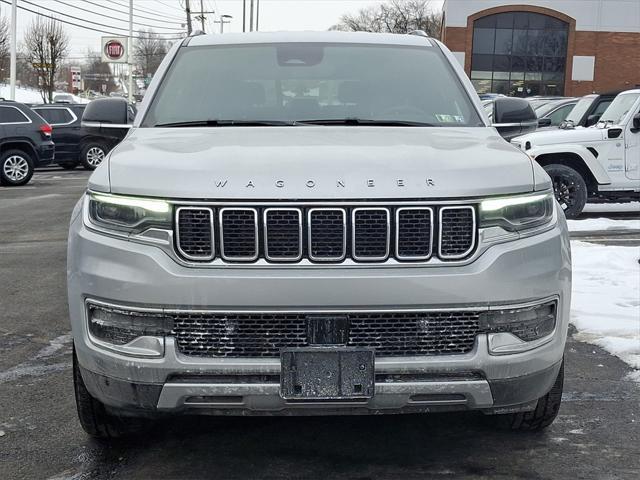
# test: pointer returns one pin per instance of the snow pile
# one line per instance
(602, 224)
(612, 207)
(605, 307)
(28, 95)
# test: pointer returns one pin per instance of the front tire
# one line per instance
(93, 415)
(569, 187)
(545, 412)
(92, 155)
(16, 168)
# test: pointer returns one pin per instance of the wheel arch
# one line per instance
(23, 145)
(592, 176)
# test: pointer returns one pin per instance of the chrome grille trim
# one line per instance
(255, 226)
(474, 230)
(310, 236)
(266, 234)
(397, 233)
(213, 236)
(354, 236)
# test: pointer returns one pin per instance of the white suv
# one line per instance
(601, 162)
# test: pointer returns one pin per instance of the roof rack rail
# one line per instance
(420, 33)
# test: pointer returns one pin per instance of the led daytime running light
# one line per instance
(500, 203)
(158, 206)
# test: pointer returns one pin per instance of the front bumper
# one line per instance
(128, 273)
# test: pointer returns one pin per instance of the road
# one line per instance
(596, 436)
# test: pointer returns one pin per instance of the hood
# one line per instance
(315, 162)
(559, 136)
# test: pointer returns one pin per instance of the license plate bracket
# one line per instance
(326, 373)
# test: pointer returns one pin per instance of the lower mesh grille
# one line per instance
(213, 334)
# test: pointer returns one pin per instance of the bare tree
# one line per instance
(97, 73)
(395, 16)
(4, 48)
(148, 50)
(46, 44)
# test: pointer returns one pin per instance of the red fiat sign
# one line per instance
(114, 50)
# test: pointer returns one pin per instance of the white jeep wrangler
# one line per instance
(597, 163)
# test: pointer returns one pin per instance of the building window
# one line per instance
(519, 54)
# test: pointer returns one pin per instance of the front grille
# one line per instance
(457, 232)
(327, 234)
(213, 334)
(194, 227)
(370, 233)
(239, 234)
(290, 233)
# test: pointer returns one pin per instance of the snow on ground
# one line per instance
(605, 307)
(28, 95)
(612, 207)
(600, 224)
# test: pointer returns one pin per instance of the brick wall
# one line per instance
(617, 54)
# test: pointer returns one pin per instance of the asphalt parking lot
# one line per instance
(596, 436)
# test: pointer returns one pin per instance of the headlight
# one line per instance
(128, 214)
(517, 212)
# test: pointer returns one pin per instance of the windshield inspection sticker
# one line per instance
(445, 118)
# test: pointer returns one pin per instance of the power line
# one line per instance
(118, 19)
(8, 2)
(140, 9)
(80, 19)
(170, 6)
(173, 22)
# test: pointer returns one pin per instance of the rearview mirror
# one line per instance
(544, 122)
(592, 120)
(513, 117)
(107, 113)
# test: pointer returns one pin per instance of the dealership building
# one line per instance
(546, 47)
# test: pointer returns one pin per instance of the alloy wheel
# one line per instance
(565, 191)
(95, 155)
(16, 168)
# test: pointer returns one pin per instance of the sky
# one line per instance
(168, 16)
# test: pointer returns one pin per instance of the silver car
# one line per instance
(316, 223)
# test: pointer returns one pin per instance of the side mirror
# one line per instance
(107, 113)
(544, 122)
(635, 127)
(592, 120)
(513, 117)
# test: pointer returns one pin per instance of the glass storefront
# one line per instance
(519, 53)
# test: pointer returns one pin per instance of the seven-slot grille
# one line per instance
(216, 334)
(326, 234)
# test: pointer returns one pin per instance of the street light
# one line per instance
(223, 20)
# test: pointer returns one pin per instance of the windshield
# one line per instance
(580, 109)
(296, 82)
(620, 106)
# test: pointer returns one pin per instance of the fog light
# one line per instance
(138, 333)
(528, 323)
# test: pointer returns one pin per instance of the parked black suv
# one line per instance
(25, 143)
(76, 144)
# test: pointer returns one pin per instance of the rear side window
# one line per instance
(55, 116)
(12, 115)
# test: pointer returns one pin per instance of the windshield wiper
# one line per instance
(364, 121)
(227, 123)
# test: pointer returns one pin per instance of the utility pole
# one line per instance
(202, 17)
(188, 8)
(257, 13)
(244, 15)
(251, 16)
(13, 47)
(130, 51)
